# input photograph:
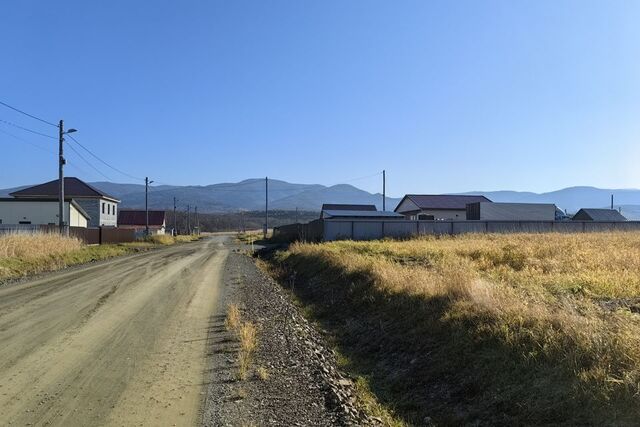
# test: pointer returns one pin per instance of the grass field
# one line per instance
(26, 254)
(495, 329)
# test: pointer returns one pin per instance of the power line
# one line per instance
(103, 162)
(27, 114)
(27, 129)
(87, 162)
(28, 142)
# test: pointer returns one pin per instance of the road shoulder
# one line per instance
(293, 379)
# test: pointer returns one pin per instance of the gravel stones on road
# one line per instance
(302, 385)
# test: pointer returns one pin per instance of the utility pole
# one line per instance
(197, 221)
(266, 206)
(189, 219)
(61, 162)
(384, 190)
(612, 202)
(175, 219)
(146, 206)
(296, 214)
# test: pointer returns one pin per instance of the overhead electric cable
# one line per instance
(27, 114)
(104, 162)
(27, 129)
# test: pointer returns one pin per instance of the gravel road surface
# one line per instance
(121, 342)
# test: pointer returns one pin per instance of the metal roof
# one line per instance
(360, 214)
(347, 207)
(443, 201)
(73, 187)
(599, 215)
(138, 217)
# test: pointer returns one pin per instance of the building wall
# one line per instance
(451, 215)
(41, 213)
(93, 207)
(516, 211)
(75, 218)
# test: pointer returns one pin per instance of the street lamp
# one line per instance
(61, 223)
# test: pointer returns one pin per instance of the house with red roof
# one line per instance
(135, 219)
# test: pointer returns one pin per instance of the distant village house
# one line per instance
(436, 207)
(136, 220)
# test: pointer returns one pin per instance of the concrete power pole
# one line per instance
(61, 162)
(175, 220)
(384, 190)
(189, 219)
(146, 205)
(266, 206)
(197, 221)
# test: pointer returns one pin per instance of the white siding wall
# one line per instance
(40, 213)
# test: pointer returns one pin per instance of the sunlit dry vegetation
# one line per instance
(247, 335)
(499, 328)
(23, 254)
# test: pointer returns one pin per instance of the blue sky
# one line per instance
(447, 96)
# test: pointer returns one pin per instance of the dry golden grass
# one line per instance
(552, 317)
(262, 373)
(248, 342)
(232, 321)
(247, 336)
(30, 246)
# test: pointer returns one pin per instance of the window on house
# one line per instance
(102, 207)
(109, 209)
(24, 222)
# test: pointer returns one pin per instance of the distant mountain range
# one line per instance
(249, 195)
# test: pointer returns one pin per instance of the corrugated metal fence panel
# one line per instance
(363, 229)
(117, 235)
(90, 236)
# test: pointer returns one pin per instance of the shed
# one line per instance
(588, 214)
(346, 207)
(348, 214)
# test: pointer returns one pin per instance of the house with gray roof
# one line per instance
(101, 208)
(588, 214)
(436, 206)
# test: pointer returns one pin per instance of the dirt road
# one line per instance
(116, 343)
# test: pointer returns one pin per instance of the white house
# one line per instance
(101, 207)
(40, 211)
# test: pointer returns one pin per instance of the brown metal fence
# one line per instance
(90, 236)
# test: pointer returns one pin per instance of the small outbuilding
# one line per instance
(346, 214)
(346, 207)
(588, 214)
(136, 220)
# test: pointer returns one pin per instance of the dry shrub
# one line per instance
(263, 373)
(248, 342)
(36, 245)
(232, 322)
